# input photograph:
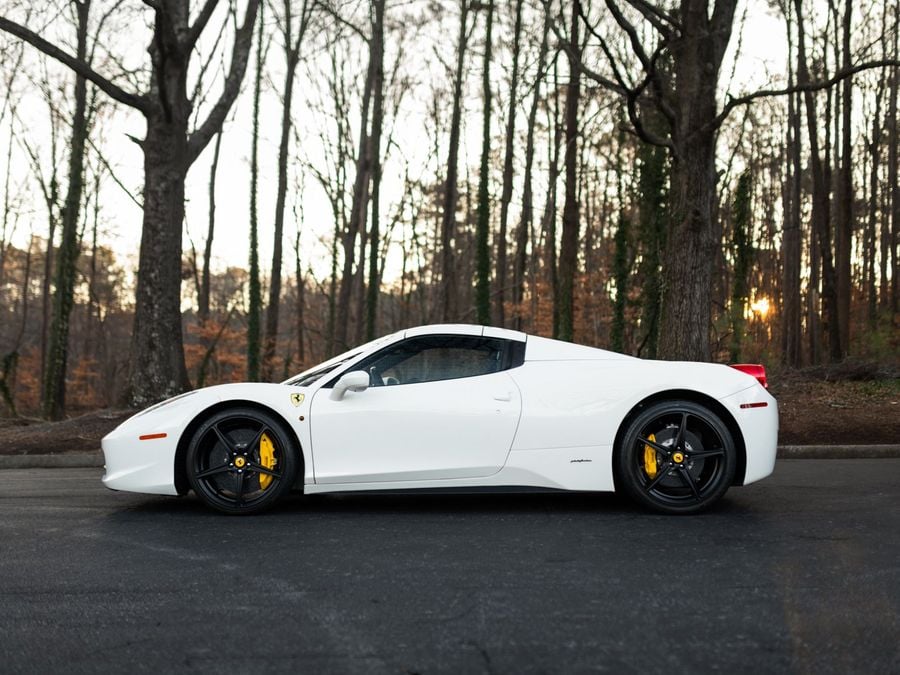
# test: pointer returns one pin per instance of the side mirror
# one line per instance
(355, 380)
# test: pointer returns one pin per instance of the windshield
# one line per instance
(312, 375)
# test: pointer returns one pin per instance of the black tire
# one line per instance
(224, 463)
(676, 457)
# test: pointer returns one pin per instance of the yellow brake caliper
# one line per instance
(649, 458)
(266, 459)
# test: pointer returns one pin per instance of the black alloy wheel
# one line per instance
(676, 457)
(242, 460)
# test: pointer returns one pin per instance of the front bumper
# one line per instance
(136, 464)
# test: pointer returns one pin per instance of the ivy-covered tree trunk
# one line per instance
(53, 395)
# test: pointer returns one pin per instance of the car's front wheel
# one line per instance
(241, 460)
(676, 457)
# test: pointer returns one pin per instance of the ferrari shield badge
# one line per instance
(297, 399)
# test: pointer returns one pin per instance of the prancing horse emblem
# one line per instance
(297, 399)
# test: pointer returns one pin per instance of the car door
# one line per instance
(438, 407)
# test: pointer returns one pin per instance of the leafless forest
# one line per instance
(596, 171)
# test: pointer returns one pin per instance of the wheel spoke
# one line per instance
(679, 438)
(656, 446)
(239, 490)
(660, 476)
(689, 481)
(257, 440)
(223, 439)
(703, 454)
(213, 471)
(258, 468)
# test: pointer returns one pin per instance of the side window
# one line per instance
(429, 358)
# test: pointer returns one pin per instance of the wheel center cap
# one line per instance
(677, 457)
(239, 462)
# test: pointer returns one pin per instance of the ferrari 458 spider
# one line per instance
(459, 407)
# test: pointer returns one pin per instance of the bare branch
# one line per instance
(563, 42)
(199, 24)
(334, 14)
(839, 76)
(80, 67)
(627, 26)
(658, 18)
(243, 40)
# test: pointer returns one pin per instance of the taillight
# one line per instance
(754, 369)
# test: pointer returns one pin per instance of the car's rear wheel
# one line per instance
(676, 457)
(241, 460)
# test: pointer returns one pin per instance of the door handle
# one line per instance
(506, 396)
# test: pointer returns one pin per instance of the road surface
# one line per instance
(798, 573)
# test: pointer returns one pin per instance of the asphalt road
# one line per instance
(798, 573)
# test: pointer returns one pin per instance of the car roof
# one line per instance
(465, 329)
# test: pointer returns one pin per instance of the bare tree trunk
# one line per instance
(820, 209)
(524, 228)
(482, 247)
(791, 245)
(448, 298)
(548, 220)
(687, 266)
(568, 249)
(844, 242)
(869, 252)
(292, 58)
(254, 309)
(506, 191)
(893, 141)
(374, 286)
(203, 301)
(301, 301)
(358, 212)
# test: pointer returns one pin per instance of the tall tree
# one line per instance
(742, 250)
(508, 156)
(170, 147)
(821, 222)
(292, 45)
(53, 395)
(448, 299)
(203, 299)
(359, 209)
(845, 195)
(254, 309)
(374, 285)
(483, 224)
(568, 249)
(652, 224)
(693, 39)
(523, 230)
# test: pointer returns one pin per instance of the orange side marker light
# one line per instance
(151, 437)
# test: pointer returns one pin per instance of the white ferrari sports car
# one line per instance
(459, 407)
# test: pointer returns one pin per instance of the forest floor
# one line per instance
(844, 405)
